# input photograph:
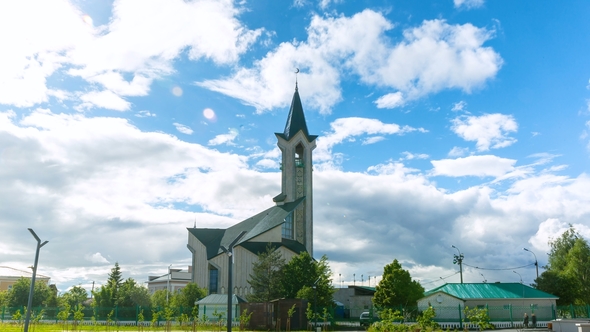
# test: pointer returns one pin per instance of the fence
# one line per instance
(507, 314)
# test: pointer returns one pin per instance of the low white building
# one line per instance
(504, 301)
(174, 281)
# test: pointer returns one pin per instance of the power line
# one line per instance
(430, 282)
(508, 268)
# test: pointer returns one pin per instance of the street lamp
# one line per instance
(484, 278)
(519, 276)
(459, 259)
(32, 289)
(230, 252)
(536, 263)
(168, 283)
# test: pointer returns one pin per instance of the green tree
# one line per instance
(397, 287)
(108, 294)
(560, 285)
(305, 278)
(567, 273)
(131, 294)
(188, 295)
(19, 295)
(159, 298)
(266, 276)
(3, 297)
(75, 296)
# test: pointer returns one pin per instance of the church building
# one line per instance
(287, 226)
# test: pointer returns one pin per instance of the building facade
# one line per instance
(9, 276)
(173, 281)
(287, 226)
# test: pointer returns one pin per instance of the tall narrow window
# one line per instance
(287, 229)
(299, 156)
(213, 279)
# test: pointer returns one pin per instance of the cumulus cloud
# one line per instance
(460, 106)
(458, 152)
(429, 58)
(96, 258)
(488, 130)
(227, 139)
(140, 41)
(348, 128)
(481, 166)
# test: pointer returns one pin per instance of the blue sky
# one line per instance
(440, 123)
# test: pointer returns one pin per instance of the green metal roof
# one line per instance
(220, 299)
(296, 120)
(214, 238)
(491, 291)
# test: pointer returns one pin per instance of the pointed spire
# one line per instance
(296, 118)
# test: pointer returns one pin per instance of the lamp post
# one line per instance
(168, 283)
(536, 263)
(32, 289)
(459, 259)
(522, 287)
(230, 253)
(484, 278)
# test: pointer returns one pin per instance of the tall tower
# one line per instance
(296, 146)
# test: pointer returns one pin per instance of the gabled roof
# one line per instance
(296, 120)
(471, 291)
(214, 238)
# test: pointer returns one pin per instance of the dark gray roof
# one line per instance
(214, 238)
(296, 120)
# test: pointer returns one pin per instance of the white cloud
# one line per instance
(469, 4)
(411, 156)
(431, 57)
(183, 128)
(458, 152)
(104, 99)
(348, 128)
(460, 106)
(225, 138)
(96, 258)
(140, 41)
(488, 130)
(480, 166)
(144, 114)
(373, 140)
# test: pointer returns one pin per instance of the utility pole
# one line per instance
(459, 259)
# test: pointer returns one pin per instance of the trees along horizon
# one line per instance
(567, 273)
(397, 288)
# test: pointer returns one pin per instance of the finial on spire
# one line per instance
(296, 72)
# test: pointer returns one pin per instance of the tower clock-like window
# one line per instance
(287, 229)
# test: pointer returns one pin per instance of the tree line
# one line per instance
(116, 292)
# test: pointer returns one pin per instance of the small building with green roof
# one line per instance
(504, 301)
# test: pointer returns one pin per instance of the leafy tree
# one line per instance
(266, 276)
(3, 297)
(19, 295)
(159, 298)
(305, 278)
(188, 295)
(560, 285)
(75, 296)
(568, 269)
(397, 287)
(131, 294)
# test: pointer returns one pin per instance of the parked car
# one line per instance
(365, 319)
